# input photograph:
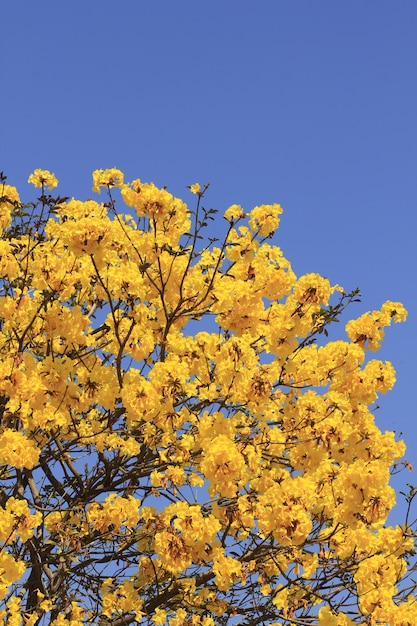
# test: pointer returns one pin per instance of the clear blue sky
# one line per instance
(311, 104)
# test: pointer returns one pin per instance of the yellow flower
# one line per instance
(18, 451)
(16, 519)
(227, 570)
(115, 512)
(223, 465)
(196, 188)
(159, 617)
(310, 564)
(395, 310)
(107, 178)
(53, 521)
(10, 572)
(326, 617)
(196, 480)
(368, 329)
(264, 219)
(234, 212)
(9, 197)
(312, 289)
(41, 178)
(171, 549)
(46, 605)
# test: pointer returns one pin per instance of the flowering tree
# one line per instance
(181, 442)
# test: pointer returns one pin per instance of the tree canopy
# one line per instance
(182, 439)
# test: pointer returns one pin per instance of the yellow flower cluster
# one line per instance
(368, 330)
(43, 178)
(17, 450)
(16, 519)
(223, 466)
(11, 570)
(119, 600)
(264, 219)
(9, 198)
(185, 536)
(107, 178)
(115, 512)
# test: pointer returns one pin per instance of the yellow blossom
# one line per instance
(107, 178)
(223, 465)
(41, 178)
(265, 219)
(234, 212)
(9, 198)
(17, 450)
(10, 571)
(196, 188)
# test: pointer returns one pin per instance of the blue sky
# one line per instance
(309, 104)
